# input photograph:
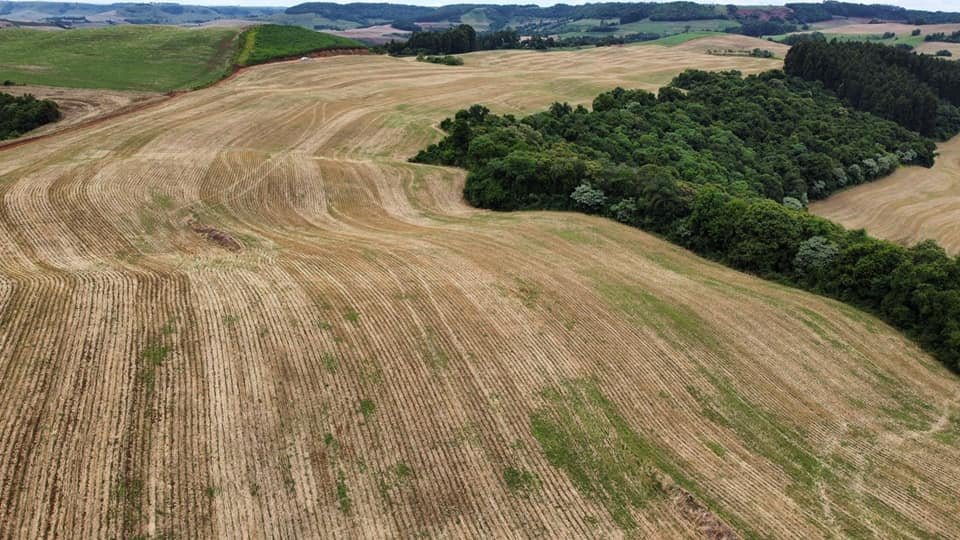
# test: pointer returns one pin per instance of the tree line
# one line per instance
(919, 92)
(722, 165)
(463, 38)
(20, 114)
(953, 37)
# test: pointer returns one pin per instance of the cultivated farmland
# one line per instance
(152, 58)
(910, 205)
(243, 313)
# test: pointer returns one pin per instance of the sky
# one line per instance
(932, 5)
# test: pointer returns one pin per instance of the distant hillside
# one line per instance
(77, 14)
(511, 15)
(333, 16)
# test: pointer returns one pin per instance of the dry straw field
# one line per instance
(241, 313)
(909, 206)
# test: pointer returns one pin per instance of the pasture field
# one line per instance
(243, 313)
(911, 205)
(142, 58)
(581, 27)
(264, 43)
(862, 31)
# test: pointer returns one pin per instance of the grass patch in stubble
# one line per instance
(528, 292)
(716, 448)
(343, 495)
(951, 433)
(766, 436)
(352, 315)
(908, 410)
(433, 354)
(582, 433)
(367, 408)
(521, 481)
(127, 494)
(575, 236)
(329, 362)
(393, 478)
(153, 356)
(670, 320)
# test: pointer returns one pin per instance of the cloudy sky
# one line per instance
(933, 5)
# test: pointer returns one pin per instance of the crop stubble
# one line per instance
(369, 361)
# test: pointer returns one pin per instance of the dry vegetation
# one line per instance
(909, 206)
(80, 105)
(242, 313)
(933, 47)
(900, 29)
(734, 42)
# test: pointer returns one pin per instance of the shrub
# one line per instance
(447, 60)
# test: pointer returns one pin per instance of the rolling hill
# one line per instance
(243, 312)
(155, 58)
(149, 58)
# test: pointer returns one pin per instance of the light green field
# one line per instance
(581, 27)
(677, 27)
(263, 43)
(677, 39)
(898, 39)
(477, 18)
(147, 58)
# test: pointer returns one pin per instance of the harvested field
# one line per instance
(911, 205)
(79, 105)
(734, 42)
(373, 34)
(901, 30)
(932, 47)
(242, 313)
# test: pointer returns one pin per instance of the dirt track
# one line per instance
(239, 312)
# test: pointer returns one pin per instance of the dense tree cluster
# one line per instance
(19, 115)
(683, 11)
(953, 37)
(459, 39)
(454, 40)
(757, 28)
(793, 39)
(810, 13)
(769, 135)
(722, 165)
(827, 10)
(920, 92)
(443, 60)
